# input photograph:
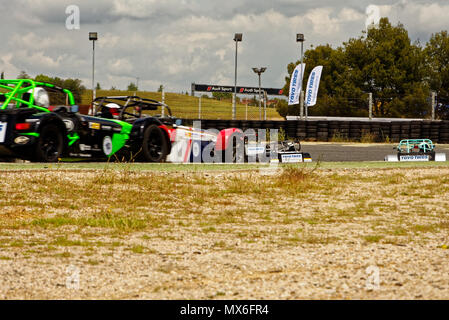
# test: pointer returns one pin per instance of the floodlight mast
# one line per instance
(259, 72)
(300, 38)
(93, 36)
(237, 38)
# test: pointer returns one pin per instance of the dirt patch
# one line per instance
(296, 233)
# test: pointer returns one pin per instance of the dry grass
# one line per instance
(93, 216)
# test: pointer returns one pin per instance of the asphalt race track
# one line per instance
(354, 151)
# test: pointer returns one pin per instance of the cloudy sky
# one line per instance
(177, 42)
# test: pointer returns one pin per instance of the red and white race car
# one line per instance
(162, 137)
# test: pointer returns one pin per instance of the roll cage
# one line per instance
(125, 103)
(415, 145)
(15, 93)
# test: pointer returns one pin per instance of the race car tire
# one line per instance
(154, 144)
(238, 151)
(50, 144)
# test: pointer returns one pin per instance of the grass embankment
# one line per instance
(184, 106)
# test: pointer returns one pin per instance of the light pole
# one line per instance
(237, 38)
(300, 38)
(93, 36)
(259, 73)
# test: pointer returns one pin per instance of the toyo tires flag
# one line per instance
(295, 84)
(313, 84)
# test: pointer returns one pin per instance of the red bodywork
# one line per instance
(222, 137)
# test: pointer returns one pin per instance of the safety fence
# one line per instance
(203, 107)
(337, 130)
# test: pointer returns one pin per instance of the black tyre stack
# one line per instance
(244, 125)
(322, 133)
(415, 130)
(425, 129)
(375, 131)
(311, 130)
(291, 128)
(355, 130)
(256, 125)
(405, 130)
(344, 129)
(395, 130)
(385, 131)
(334, 129)
(205, 124)
(435, 131)
(301, 130)
(365, 128)
(235, 124)
(444, 132)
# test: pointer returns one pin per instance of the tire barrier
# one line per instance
(335, 130)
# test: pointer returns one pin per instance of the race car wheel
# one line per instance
(238, 151)
(49, 146)
(154, 145)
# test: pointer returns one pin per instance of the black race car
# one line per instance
(161, 136)
(32, 129)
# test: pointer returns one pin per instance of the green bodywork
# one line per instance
(415, 145)
(14, 90)
(119, 139)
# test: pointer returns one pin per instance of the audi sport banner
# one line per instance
(295, 84)
(240, 90)
(313, 84)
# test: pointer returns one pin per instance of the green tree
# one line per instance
(2, 76)
(132, 87)
(98, 87)
(74, 85)
(23, 75)
(161, 88)
(386, 63)
(222, 95)
(437, 58)
(382, 61)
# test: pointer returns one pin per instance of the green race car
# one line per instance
(32, 129)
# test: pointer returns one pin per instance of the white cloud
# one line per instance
(174, 42)
(7, 67)
(433, 16)
(120, 66)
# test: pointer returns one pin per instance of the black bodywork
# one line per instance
(132, 109)
(36, 135)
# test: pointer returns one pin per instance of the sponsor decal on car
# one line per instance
(2, 131)
(94, 125)
(253, 150)
(418, 157)
(291, 158)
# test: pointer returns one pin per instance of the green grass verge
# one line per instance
(212, 167)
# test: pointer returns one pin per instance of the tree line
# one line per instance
(399, 73)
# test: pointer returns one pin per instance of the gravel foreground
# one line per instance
(293, 233)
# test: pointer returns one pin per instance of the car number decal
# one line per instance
(2, 131)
